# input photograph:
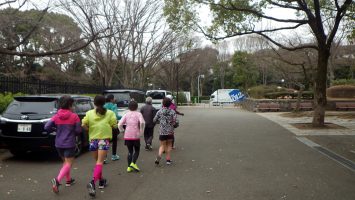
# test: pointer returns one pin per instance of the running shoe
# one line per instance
(130, 169)
(105, 161)
(168, 162)
(70, 183)
(91, 188)
(157, 160)
(102, 183)
(55, 185)
(147, 147)
(135, 167)
(150, 147)
(115, 157)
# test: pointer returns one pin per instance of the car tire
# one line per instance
(17, 152)
(78, 145)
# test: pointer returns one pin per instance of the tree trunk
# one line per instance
(320, 85)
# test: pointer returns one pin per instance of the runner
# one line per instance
(99, 122)
(173, 107)
(111, 105)
(167, 119)
(148, 112)
(67, 126)
(134, 129)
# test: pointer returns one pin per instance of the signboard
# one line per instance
(236, 95)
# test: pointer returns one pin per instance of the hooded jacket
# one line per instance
(67, 125)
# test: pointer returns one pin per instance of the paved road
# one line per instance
(221, 154)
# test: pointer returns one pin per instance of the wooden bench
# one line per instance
(303, 106)
(268, 106)
(344, 105)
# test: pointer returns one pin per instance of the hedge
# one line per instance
(286, 94)
(5, 100)
(341, 91)
(343, 82)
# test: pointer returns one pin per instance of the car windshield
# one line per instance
(25, 106)
(156, 95)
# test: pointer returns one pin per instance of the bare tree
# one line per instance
(63, 47)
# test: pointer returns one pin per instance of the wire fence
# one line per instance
(31, 86)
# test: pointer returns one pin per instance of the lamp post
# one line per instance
(198, 86)
(176, 63)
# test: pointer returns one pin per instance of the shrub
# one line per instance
(343, 82)
(289, 94)
(182, 98)
(5, 100)
(259, 92)
(341, 91)
(201, 98)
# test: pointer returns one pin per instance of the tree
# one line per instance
(239, 17)
(30, 27)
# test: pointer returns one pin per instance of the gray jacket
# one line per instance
(148, 112)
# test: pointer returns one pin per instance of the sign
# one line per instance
(236, 95)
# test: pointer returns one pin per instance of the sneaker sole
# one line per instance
(68, 185)
(54, 186)
(91, 190)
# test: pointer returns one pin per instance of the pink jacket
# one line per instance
(134, 125)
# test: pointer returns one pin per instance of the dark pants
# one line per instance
(148, 135)
(133, 147)
(115, 133)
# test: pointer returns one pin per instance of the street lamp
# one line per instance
(198, 86)
(176, 63)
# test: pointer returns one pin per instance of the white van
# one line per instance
(157, 96)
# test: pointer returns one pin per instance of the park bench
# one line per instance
(268, 107)
(344, 105)
(303, 106)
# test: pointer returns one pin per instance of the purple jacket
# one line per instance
(67, 126)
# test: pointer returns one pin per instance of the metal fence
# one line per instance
(30, 86)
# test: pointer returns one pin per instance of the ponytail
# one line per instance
(99, 102)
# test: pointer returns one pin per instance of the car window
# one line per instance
(156, 95)
(82, 106)
(32, 107)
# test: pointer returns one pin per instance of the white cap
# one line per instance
(169, 97)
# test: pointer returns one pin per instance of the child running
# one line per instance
(67, 126)
(111, 105)
(167, 119)
(134, 129)
(99, 122)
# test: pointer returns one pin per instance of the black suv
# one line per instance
(22, 124)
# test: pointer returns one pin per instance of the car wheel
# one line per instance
(78, 145)
(17, 152)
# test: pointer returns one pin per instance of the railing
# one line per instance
(30, 86)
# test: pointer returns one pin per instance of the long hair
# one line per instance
(99, 102)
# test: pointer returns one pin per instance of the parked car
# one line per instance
(157, 97)
(123, 96)
(22, 123)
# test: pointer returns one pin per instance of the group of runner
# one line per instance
(103, 124)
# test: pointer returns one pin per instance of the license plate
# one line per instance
(24, 128)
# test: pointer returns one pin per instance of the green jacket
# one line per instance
(113, 108)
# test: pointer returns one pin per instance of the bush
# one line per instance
(288, 94)
(182, 98)
(201, 98)
(343, 82)
(259, 92)
(341, 91)
(5, 100)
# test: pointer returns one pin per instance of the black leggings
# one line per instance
(115, 133)
(133, 147)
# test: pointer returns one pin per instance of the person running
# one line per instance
(99, 122)
(134, 128)
(148, 112)
(111, 105)
(67, 126)
(167, 119)
(173, 107)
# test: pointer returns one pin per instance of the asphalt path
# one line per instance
(222, 153)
